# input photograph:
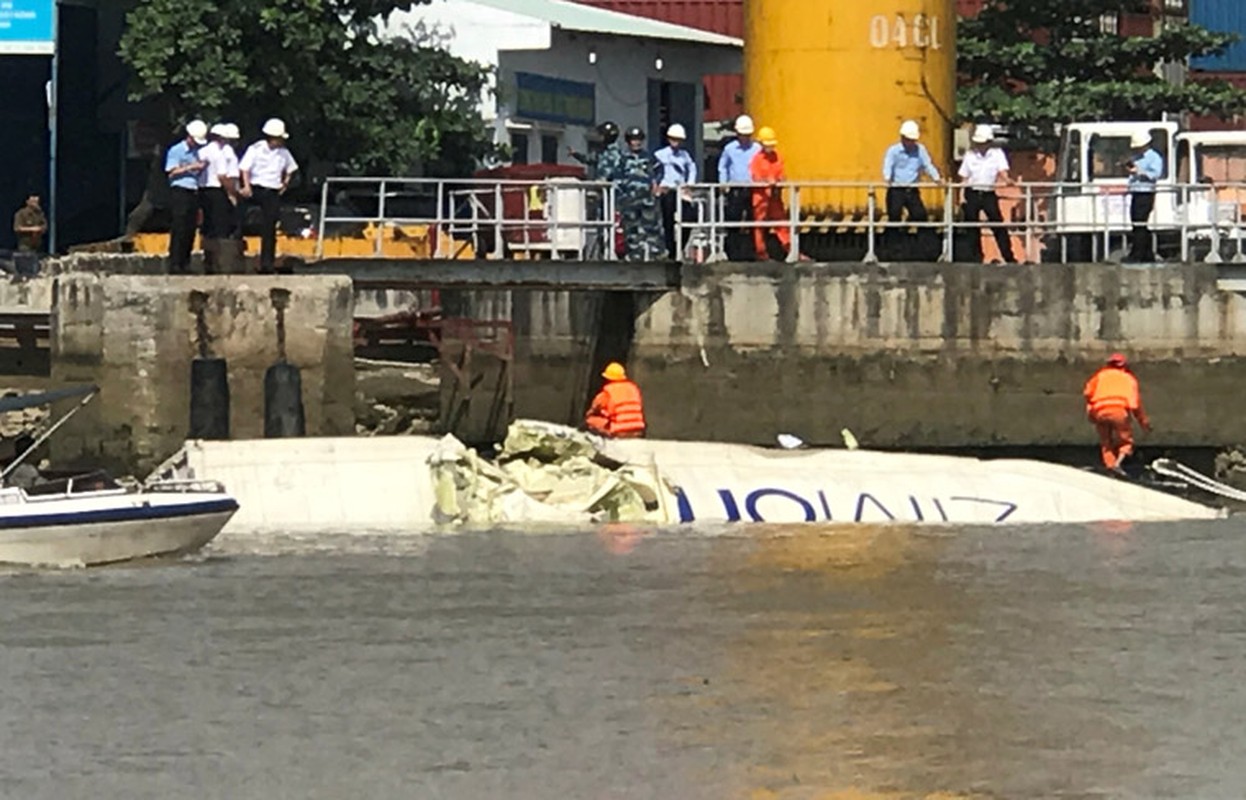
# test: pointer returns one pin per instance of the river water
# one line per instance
(852, 663)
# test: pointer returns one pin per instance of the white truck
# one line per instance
(1199, 205)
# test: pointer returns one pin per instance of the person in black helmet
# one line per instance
(636, 189)
(609, 133)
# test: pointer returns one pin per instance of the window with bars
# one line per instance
(1110, 23)
(1175, 6)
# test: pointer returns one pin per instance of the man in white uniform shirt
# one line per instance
(217, 194)
(265, 169)
(982, 170)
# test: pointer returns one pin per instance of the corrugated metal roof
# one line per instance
(575, 17)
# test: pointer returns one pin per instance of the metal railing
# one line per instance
(558, 218)
(571, 219)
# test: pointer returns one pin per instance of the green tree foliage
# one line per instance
(1037, 63)
(355, 103)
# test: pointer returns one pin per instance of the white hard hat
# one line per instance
(983, 134)
(676, 131)
(275, 129)
(1140, 139)
(744, 125)
(231, 131)
(219, 129)
(909, 130)
(197, 129)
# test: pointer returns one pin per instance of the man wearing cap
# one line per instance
(1145, 168)
(618, 410)
(609, 133)
(1112, 397)
(182, 166)
(678, 169)
(635, 187)
(735, 167)
(265, 170)
(983, 168)
(903, 166)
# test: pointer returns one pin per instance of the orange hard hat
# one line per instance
(1118, 360)
(767, 136)
(614, 372)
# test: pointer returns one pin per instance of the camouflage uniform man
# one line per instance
(635, 178)
(600, 163)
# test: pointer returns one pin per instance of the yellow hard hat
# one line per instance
(614, 372)
(767, 136)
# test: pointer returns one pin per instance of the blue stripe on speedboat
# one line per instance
(133, 514)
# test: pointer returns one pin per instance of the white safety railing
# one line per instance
(555, 218)
(564, 218)
(1044, 221)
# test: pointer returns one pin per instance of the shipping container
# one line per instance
(722, 92)
(1221, 16)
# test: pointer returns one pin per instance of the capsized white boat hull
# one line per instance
(388, 484)
(738, 483)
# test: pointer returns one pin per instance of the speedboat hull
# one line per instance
(107, 527)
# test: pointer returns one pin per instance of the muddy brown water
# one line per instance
(1101, 661)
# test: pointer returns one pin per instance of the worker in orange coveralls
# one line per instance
(767, 168)
(618, 411)
(1112, 396)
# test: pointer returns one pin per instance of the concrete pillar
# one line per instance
(135, 336)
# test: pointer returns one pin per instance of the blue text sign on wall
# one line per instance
(26, 27)
(552, 99)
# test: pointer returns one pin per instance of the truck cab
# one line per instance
(1213, 165)
(1094, 192)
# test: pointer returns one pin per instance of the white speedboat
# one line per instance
(91, 520)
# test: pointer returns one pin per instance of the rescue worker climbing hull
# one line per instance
(1112, 399)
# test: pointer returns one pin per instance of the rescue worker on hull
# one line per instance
(767, 169)
(636, 194)
(618, 410)
(1112, 397)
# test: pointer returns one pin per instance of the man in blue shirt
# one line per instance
(1145, 169)
(182, 166)
(903, 166)
(734, 166)
(677, 168)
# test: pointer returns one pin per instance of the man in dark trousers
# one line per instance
(265, 171)
(182, 165)
(903, 166)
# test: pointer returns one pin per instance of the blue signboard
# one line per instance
(553, 99)
(26, 27)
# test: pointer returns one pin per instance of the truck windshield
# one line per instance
(1222, 163)
(1108, 157)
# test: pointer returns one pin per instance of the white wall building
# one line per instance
(563, 68)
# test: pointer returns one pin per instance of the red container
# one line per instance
(718, 16)
(722, 92)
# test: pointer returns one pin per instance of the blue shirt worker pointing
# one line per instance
(734, 167)
(903, 165)
(677, 169)
(1145, 169)
(182, 165)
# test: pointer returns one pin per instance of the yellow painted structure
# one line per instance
(836, 78)
(400, 242)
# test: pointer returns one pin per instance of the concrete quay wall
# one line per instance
(135, 336)
(926, 355)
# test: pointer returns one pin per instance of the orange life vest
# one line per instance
(1112, 387)
(617, 410)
